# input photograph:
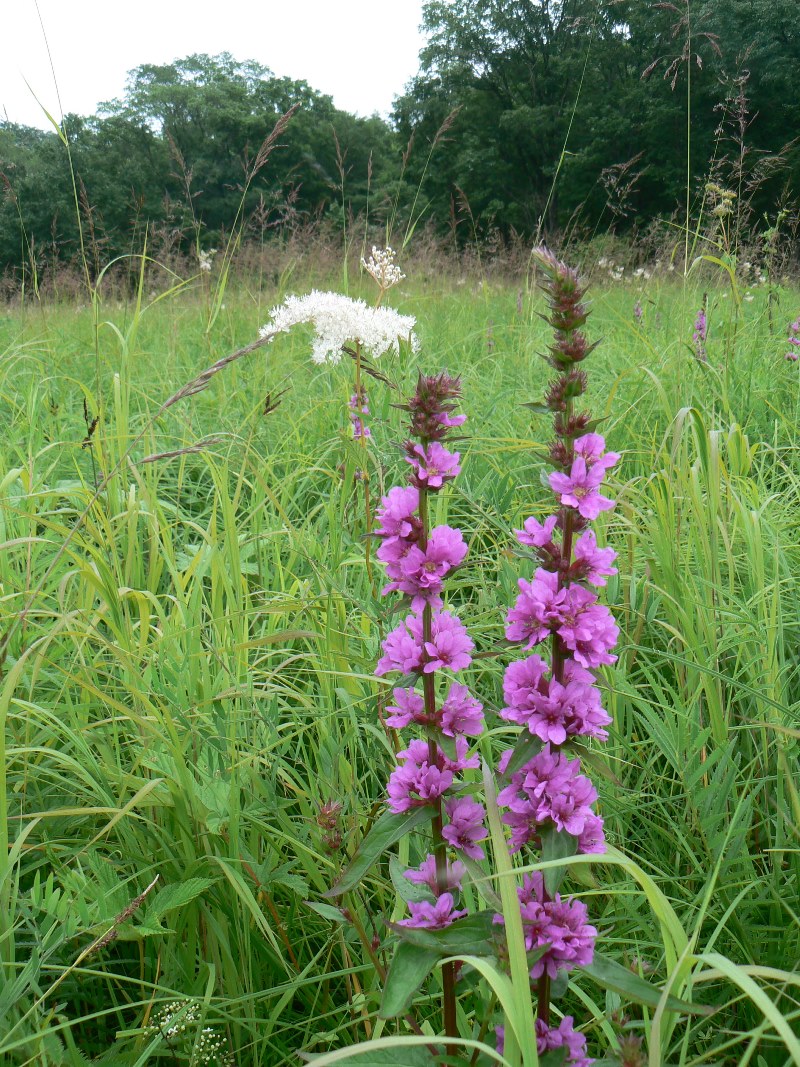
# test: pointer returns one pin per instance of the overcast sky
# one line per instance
(361, 52)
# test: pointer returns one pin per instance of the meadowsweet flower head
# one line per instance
(339, 320)
(382, 267)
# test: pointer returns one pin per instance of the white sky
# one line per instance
(361, 52)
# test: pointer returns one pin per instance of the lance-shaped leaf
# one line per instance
(409, 968)
(556, 845)
(470, 936)
(612, 975)
(386, 831)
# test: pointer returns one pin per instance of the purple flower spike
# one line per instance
(595, 563)
(562, 1036)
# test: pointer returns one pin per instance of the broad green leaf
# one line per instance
(385, 832)
(525, 749)
(406, 890)
(471, 935)
(612, 975)
(327, 911)
(537, 407)
(409, 968)
(177, 895)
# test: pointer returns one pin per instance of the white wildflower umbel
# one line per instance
(338, 320)
(382, 267)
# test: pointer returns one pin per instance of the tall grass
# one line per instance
(194, 680)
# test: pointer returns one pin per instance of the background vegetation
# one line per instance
(588, 115)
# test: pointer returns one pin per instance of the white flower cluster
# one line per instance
(337, 319)
(205, 259)
(382, 267)
(177, 1020)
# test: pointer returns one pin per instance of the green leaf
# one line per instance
(327, 911)
(537, 407)
(385, 832)
(612, 975)
(472, 935)
(409, 968)
(555, 1057)
(407, 891)
(556, 845)
(177, 895)
(525, 749)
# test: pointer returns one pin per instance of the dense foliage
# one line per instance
(600, 110)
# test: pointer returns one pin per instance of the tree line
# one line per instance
(526, 116)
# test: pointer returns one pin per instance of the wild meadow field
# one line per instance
(194, 744)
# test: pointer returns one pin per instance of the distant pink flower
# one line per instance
(436, 916)
(465, 827)
(536, 534)
(434, 467)
(578, 489)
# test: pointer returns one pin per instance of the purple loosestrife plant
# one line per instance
(699, 335)
(552, 693)
(793, 341)
(430, 645)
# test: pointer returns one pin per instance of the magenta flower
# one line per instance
(529, 620)
(549, 709)
(578, 489)
(420, 572)
(402, 648)
(537, 534)
(397, 513)
(461, 713)
(591, 447)
(587, 628)
(563, 1036)
(522, 680)
(595, 564)
(436, 916)
(409, 707)
(434, 467)
(425, 874)
(414, 782)
(465, 827)
(559, 926)
(450, 645)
